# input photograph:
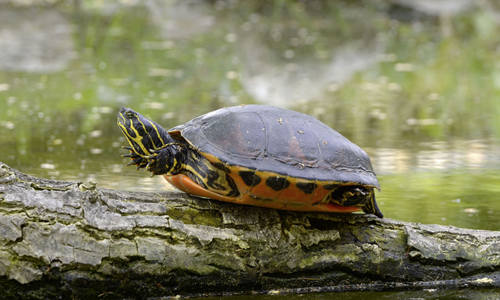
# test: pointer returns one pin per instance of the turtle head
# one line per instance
(143, 135)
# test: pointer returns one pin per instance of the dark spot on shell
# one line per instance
(249, 178)
(306, 187)
(330, 186)
(277, 183)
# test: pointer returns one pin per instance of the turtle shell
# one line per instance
(271, 139)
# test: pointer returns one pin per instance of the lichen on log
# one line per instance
(60, 238)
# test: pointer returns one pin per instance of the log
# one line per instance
(73, 239)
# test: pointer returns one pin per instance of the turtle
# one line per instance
(256, 155)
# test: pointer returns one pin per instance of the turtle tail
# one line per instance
(371, 206)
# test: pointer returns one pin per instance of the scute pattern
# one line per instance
(306, 187)
(249, 178)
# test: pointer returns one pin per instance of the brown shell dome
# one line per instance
(267, 138)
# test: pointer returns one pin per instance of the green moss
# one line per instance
(192, 216)
(342, 254)
(311, 237)
(384, 237)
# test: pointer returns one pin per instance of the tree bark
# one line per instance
(72, 239)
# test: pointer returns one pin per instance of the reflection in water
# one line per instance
(180, 19)
(34, 40)
(388, 160)
(284, 83)
(290, 62)
(471, 155)
(269, 74)
(439, 7)
(426, 294)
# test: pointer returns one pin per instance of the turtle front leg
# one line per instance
(168, 160)
(137, 160)
(363, 197)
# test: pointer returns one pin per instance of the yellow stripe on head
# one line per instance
(134, 138)
(162, 142)
(142, 134)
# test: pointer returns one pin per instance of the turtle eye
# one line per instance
(129, 114)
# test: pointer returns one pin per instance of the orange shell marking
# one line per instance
(185, 184)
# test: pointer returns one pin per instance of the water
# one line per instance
(412, 295)
(416, 86)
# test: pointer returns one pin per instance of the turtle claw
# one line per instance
(152, 156)
(136, 160)
(152, 162)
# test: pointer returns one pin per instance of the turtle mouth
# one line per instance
(127, 120)
(143, 135)
(125, 124)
